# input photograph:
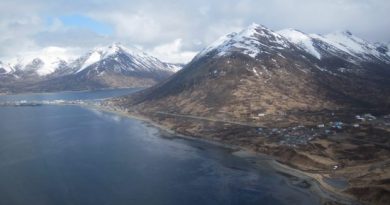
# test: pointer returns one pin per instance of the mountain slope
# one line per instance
(259, 71)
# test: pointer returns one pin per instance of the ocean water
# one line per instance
(69, 155)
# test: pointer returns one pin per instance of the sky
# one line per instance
(174, 30)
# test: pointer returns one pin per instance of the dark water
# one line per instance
(70, 155)
(338, 183)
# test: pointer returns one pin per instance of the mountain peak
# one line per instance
(108, 49)
(117, 56)
(292, 34)
(255, 26)
(252, 40)
(115, 46)
(256, 29)
(112, 49)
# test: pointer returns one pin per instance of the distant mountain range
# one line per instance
(106, 67)
(262, 72)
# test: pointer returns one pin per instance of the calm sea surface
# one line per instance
(68, 155)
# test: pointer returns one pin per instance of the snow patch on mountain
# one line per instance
(388, 49)
(346, 41)
(92, 58)
(251, 41)
(337, 44)
(174, 67)
(355, 47)
(43, 62)
(7, 69)
(301, 39)
(219, 42)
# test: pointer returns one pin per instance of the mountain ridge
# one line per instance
(103, 67)
(265, 47)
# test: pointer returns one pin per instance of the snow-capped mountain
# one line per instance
(40, 63)
(257, 39)
(103, 67)
(249, 41)
(336, 44)
(119, 58)
(38, 66)
(259, 70)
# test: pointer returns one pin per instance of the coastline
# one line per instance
(318, 185)
(67, 91)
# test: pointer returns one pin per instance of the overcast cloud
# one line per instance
(175, 30)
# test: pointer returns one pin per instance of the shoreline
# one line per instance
(68, 91)
(319, 186)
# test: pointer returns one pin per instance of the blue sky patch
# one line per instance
(84, 22)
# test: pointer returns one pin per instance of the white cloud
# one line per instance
(50, 54)
(172, 52)
(24, 27)
(138, 27)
